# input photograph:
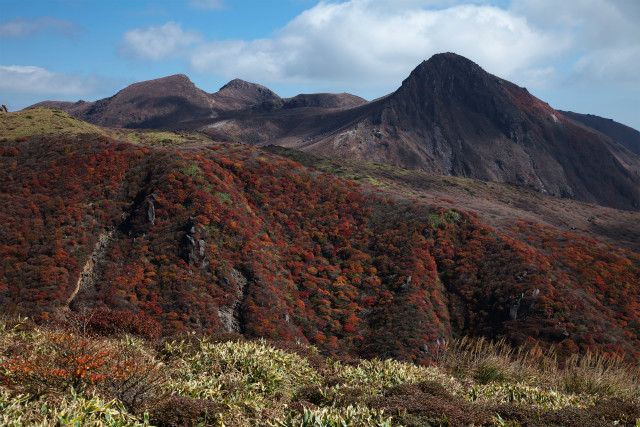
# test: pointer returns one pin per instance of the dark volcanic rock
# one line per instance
(250, 92)
(149, 104)
(324, 100)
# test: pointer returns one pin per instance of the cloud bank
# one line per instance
(372, 41)
(158, 42)
(375, 43)
(37, 80)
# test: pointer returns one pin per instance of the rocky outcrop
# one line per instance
(194, 243)
(230, 316)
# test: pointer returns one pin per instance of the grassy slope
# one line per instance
(42, 121)
(69, 375)
(51, 121)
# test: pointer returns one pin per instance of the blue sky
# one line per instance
(579, 55)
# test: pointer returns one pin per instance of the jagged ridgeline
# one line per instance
(208, 237)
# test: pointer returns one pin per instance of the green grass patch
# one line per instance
(42, 121)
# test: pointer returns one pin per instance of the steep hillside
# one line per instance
(209, 237)
(625, 135)
(496, 205)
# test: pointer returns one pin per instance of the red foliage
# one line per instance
(228, 236)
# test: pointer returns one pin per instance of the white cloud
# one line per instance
(605, 37)
(207, 4)
(37, 80)
(21, 27)
(374, 43)
(369, 46)
(612, 66)
(158, 42)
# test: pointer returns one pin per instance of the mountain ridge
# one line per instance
(448, 117)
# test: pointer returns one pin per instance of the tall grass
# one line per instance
(482, 362)
(64, 376)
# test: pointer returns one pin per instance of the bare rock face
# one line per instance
(230, 316)
(194, 243)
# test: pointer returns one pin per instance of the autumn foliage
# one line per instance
(230, 238)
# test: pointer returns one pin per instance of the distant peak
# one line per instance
(239, 84)
(243, 89)
(176, 79)
(440, 69)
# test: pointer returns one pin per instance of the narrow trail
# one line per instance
(87, 276)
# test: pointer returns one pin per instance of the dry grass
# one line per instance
(483, 362)
(53, 376)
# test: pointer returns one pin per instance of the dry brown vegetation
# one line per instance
(62, 374)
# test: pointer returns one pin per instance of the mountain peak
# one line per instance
(173, 80)
(239, 84)
(446, 69)
(246, 91)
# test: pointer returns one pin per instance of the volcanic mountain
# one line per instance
(449, 117)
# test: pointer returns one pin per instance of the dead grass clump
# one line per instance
(416, 408)
(315, 361)
(180, 411)
(485, 361)
(482, 362)
(597, 374)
